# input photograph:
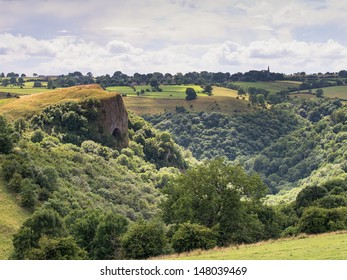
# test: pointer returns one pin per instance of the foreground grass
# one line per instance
(11, 218)
(332, 246)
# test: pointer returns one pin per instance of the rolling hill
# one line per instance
(30, 104)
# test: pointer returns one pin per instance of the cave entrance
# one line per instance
(116, 133)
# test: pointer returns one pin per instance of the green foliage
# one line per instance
(58, 248)
(190, 94)
(318, 220)
(6, 141)
(144, 239)
(45, 222)
(107, 239)
(193, 236)
(29, 196)
(37, 136)
(73, 122)
(157, 147)
(211, 135)
(310, 194)
(213, 194)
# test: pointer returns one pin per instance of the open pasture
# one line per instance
(272, 87)
(220, 104)
(328, 246)
(28, 88)
(169, 91)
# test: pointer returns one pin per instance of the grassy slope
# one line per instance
(330, 246)
(169, 91)
(223, 100)
(272, 87)
(329, 92)
(11, 218)
(227, 105)
(27, 105)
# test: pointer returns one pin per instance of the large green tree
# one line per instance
(214, 194)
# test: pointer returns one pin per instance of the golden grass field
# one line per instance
(30, 104)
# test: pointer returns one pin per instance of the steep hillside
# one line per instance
(11, 218)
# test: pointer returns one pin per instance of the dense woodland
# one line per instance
(188, 180)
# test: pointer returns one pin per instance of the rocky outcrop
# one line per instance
(114, 119)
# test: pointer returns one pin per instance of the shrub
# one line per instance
(191, 94)
(107, 240)
(193, 236)
(144, 239)
(318, 220)
(37, 136)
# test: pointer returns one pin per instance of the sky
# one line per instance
(170, 36)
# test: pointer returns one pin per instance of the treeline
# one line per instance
(120, 79)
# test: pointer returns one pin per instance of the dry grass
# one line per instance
(221, 104)
(28, 105)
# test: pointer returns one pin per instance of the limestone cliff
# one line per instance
(114, 119)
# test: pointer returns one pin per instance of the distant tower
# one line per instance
(268, 69)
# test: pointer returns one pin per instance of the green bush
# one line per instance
(144, 239)
(107, 240)
(193, 236)
(318, 220)
(60, 248)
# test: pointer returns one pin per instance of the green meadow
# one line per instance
(28, 88)
(169, 91)
(11, 218)
(272, 87)
(331, 246)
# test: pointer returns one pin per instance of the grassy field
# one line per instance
(27, 105)
(11, 218)
(332, 246)
(335, 92)
(27, 89)
(329, 92)
(169, 91)
(150, 106)
(223, 100)
(272, 87)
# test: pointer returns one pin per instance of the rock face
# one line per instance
(114, 119)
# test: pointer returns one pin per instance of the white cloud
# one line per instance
(66, 53)
(172, 35)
